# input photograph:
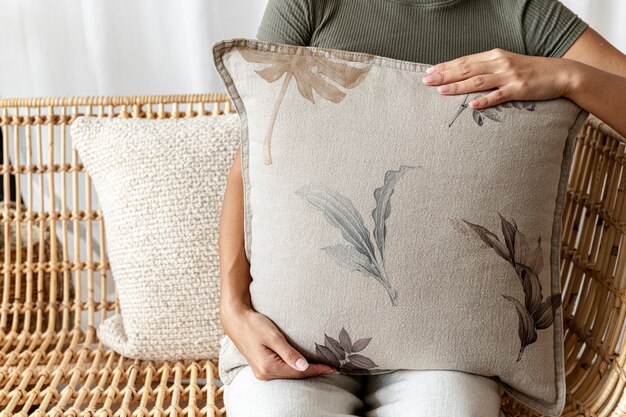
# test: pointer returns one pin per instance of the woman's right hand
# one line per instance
(265, 348)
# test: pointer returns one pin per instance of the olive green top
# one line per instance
(424, 31)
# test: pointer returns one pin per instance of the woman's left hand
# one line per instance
(515, 77)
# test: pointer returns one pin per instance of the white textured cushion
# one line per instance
(160, 185)
(391, 227)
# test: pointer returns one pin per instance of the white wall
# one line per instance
(608, 17)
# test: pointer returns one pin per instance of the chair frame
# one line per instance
(71, 373)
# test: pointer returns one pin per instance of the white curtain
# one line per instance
(116, 47)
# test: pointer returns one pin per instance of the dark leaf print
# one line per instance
(536, 259)
(508, 231)
(462, 107)
(532, 290)
(534, 314)
(522, 252)
(359, 254)
(526, 331)
(328, 355)
(505, 105)
(340, 353)
(545, 314)
(381, 212)
(361, 361)
(493, 112)
(335, 346)
(344, 340)
(360, 344)
(478, 117)
(490, 239)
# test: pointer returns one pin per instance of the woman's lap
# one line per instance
(402, 393)
(322, 396)
(432, 393)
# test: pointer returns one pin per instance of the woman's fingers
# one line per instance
(461, 72)
(279, 361)
(493, 98)
(467, 59)
(476, 83)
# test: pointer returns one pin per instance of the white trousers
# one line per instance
(402, 393)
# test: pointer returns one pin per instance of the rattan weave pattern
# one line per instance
(68, 372)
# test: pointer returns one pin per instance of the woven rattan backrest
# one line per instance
(55, 274)
(56, 278)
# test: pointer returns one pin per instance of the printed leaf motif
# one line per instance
(340, 212)
(545, 313)
(493, 112)
(478, 117)
(359, 254)
(526, 331)
(341, 353)
(312, 71)
(344, 340)
(335, 346)
(490, 239)
(535, 313)
(381, 213)
(361, 361)
(349, 257)
(328, 355)
(360, 344)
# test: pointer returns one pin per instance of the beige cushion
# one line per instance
(391, 227)
(160, 185)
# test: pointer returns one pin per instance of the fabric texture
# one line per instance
(390, 227)
(427, 31)
(160, 185)
(403, 393)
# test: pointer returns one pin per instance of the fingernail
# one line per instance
(473, 103)
(427, 80)
(301, 364)
(432, 69)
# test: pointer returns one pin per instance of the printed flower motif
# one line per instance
(493, 112)
(359, 254)
(311, 71)
(534, 314)
(342, 353)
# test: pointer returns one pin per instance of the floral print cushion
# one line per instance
(390, 227)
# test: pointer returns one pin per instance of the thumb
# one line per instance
(289, 354)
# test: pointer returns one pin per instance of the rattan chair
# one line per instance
(68, 372)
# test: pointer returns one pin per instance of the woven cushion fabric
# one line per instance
(390, 227)
(160, 185)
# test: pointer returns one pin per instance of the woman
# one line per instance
(526, 50)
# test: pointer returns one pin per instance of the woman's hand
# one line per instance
(265, 348)
(591, 73)
(515, 77)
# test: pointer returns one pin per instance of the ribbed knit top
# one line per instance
(425, 31)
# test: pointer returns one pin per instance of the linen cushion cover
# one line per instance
(390, 227)
(160, 185)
